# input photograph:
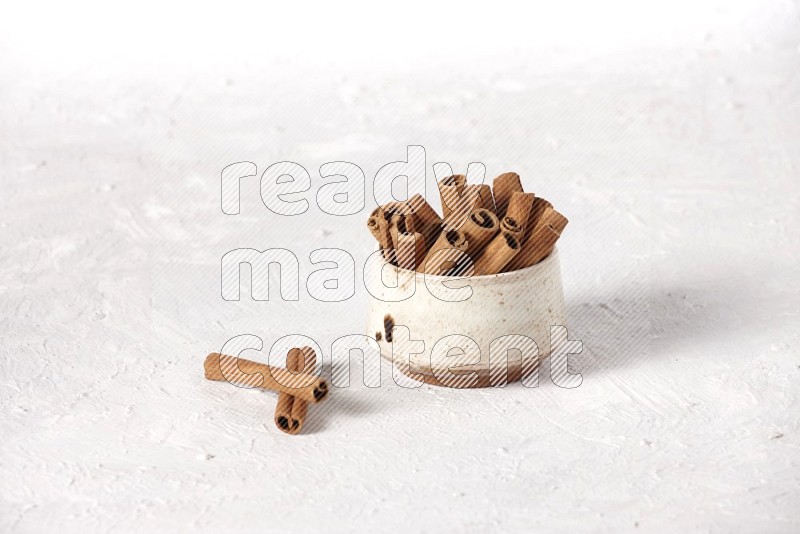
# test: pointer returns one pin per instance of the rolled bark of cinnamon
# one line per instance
(497, 254)
(283, 412)
(302, 360)
(510, 225)
(503, 187)
(483, 196)
(519, 208)
(537, 210)
(536, 248)
(379, 228)
(302, 386)
(404, 220)
(410, 250)
(430, 222)
(553, 218)
(469, 201)
(540, 243)
(424, 211)
(398, 224)
(463, 202)
(452, 243)
(481, 226)
(450, 191)
(412, 218)
(458, 200)
(400, 218)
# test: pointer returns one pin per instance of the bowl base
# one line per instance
(481, 378)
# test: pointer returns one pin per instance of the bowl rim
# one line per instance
(482, 278)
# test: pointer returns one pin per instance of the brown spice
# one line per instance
(246, 372)
(497, 254)
(503, 187)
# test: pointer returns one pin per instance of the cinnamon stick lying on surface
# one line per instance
(302, 386)
(497, 254)
(503, 187)
(283, 410)
(302, 360)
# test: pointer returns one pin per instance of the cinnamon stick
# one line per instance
(413, 220)
(398, 224)
(424, 211)
(540, 243)
(503, 187)
(379, 228)
(461, 200)
(302, 386)
(430, 222)
(410, 250)
(480, 227)
(283, 412)
(302, 360)
(497, 254)
(519, 208)
(450, 191)
(510, 225)
(452, 243)
(552, 217)
(483, 196)
(538, 246)
(537, 210)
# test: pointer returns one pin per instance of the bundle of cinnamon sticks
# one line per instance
(297, 386)
(483, 230)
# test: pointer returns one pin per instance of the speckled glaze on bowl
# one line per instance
(519, 303)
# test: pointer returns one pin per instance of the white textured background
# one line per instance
(669, 134)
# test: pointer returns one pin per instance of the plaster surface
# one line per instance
(678, 167)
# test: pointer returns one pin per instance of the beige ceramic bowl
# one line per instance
(435, 335)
